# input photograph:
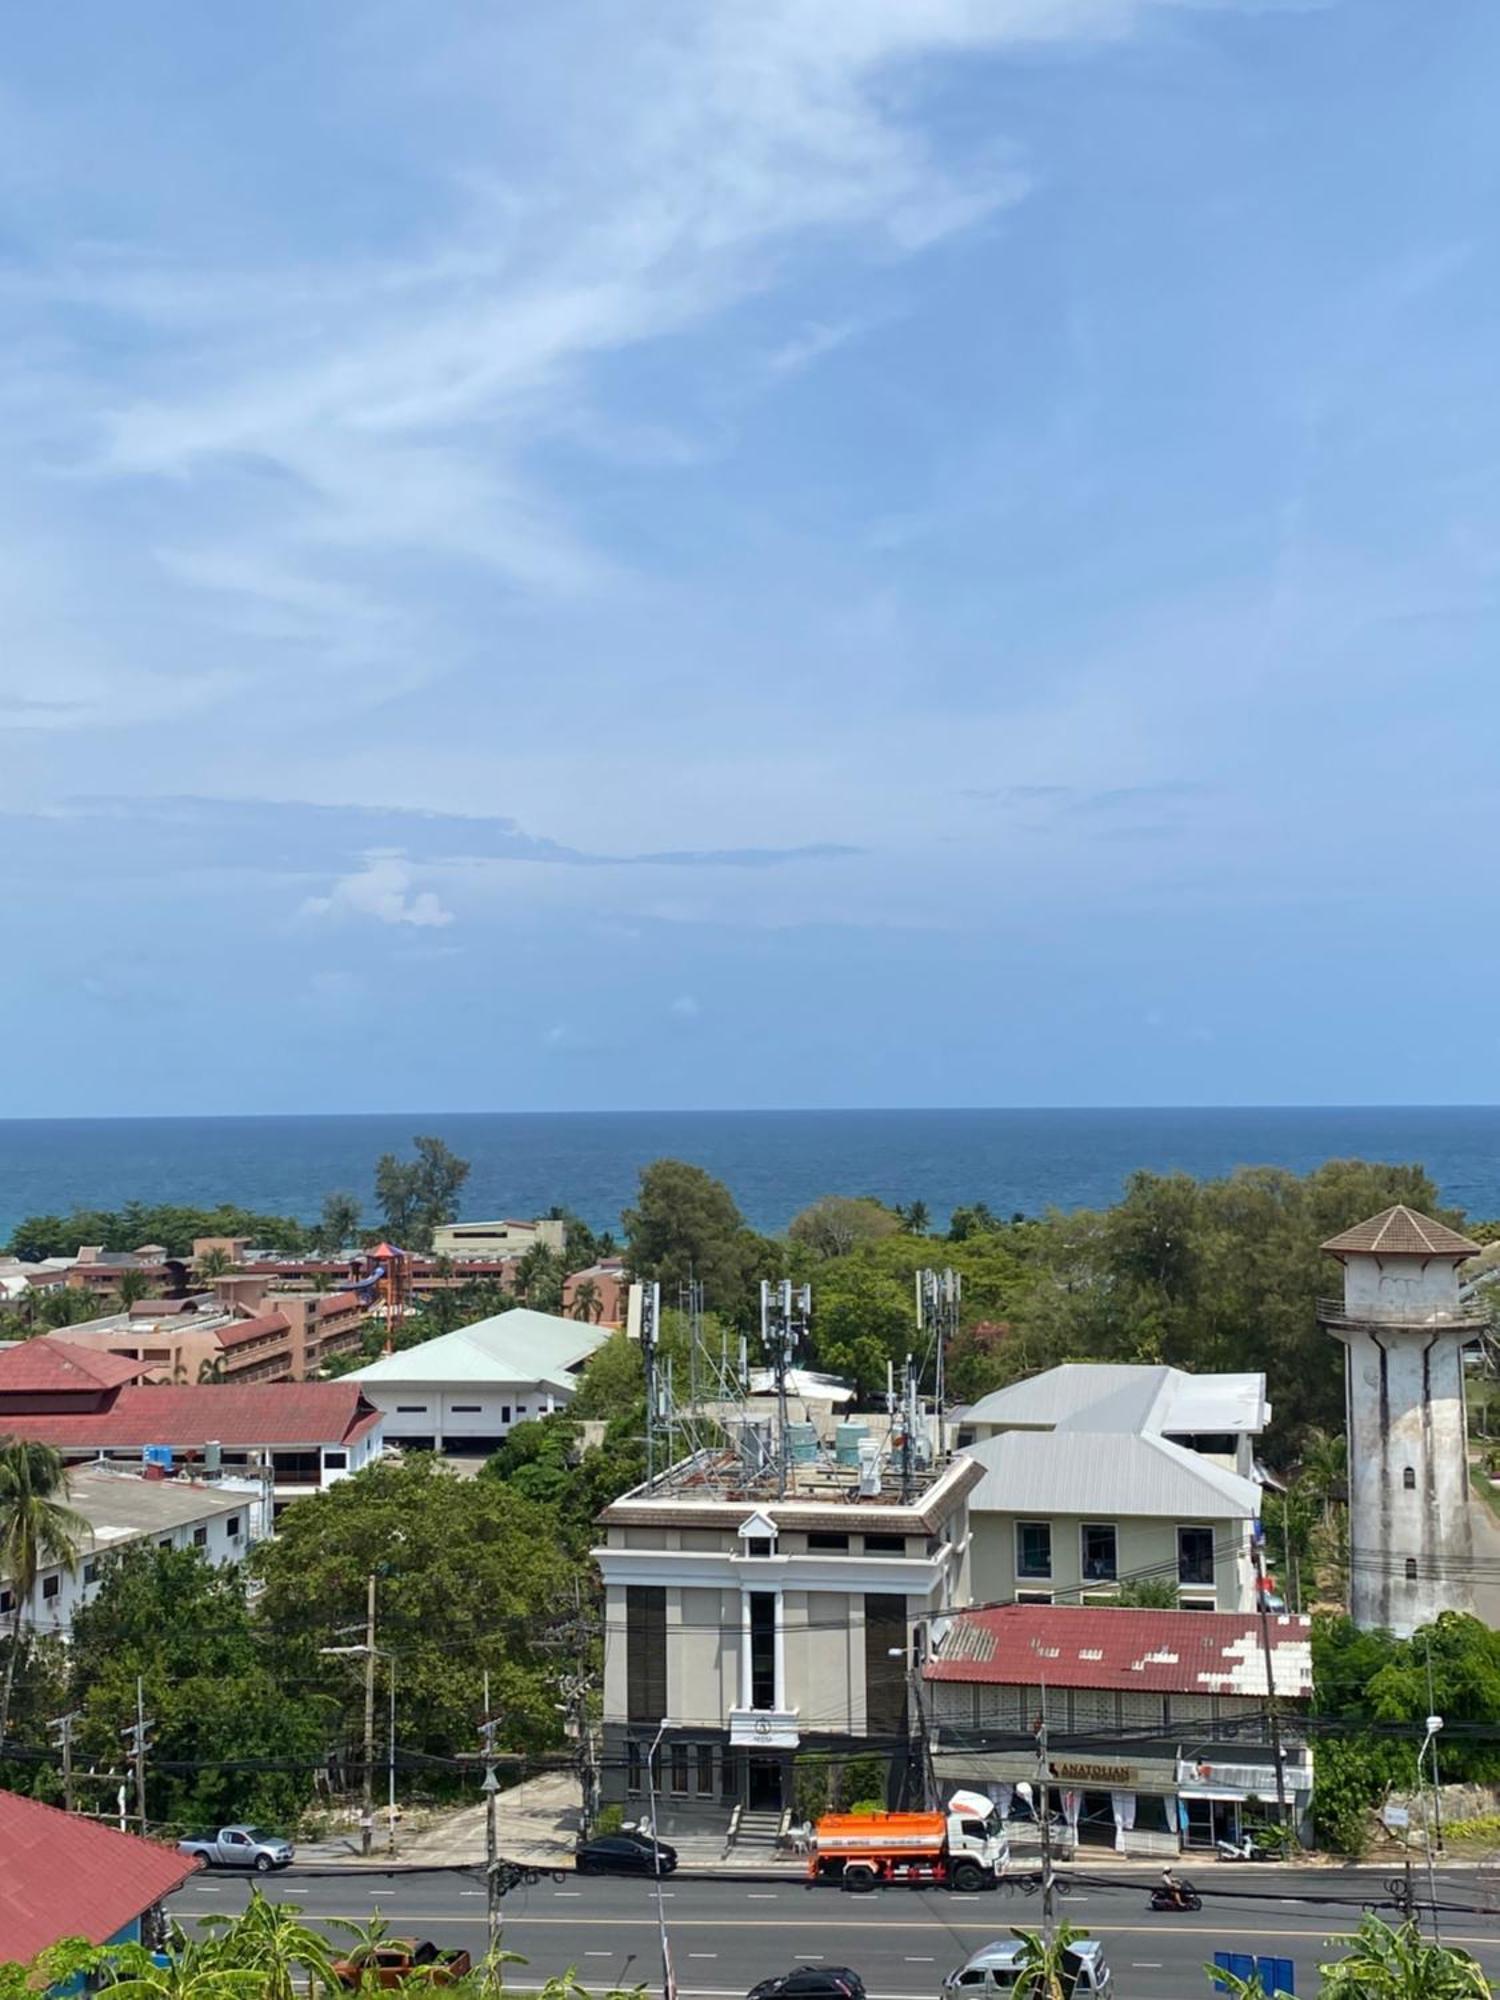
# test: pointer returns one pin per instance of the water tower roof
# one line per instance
(1402, 1232)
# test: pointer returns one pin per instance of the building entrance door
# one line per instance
(763, 1789)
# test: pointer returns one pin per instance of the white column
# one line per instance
(781, 1701)
(745, 1684)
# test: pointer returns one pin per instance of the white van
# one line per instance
(996, 1967)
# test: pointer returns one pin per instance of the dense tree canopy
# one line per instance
(685, 1225)
(415, 1197)
(835, 1224)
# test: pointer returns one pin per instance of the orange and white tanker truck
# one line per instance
(963, 1847)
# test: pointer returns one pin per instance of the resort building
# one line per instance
(463, 1240)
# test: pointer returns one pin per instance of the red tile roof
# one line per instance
(1166, 1652)
(47, 1366)
(240, 1330)
(235, 1414)
(62, 1876)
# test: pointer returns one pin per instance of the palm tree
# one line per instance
(268, 1940)
(211, 1368)
(1044, 1972)
(1395, 1962)
(133, 1285)
(587, 1304)
(37, 1529)
(215, 1264)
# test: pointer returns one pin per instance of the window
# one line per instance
(465, 1409)
(1033, 1548)
(165, 1542)
(232, 1527)
(520, 1409)
(1033, 1597)
(51, 1587)
(1195, 1555)
(200, 1538)
(1409, 1479)
(763, 1649)
(505, 1413)
(827, 1543)
(632, 1767)
(91, 1571)
(645, 1652)
(679, 1767)
(1099, 1563)
(7, 1602)
(335, 1461)
(411, 1409)
(885, 1545)
(885, 1676)
(705, 1770)
(1411, 1569)
(1197, 1604)
(759, 1545)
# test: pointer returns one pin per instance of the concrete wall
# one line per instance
(1386, 1285)
(1408, 1476)
(1143, 1544)
(55, 1614)
(450, 1416)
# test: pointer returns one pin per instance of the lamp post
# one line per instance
(1429, 1742)
(668, 1977)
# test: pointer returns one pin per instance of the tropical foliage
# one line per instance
(1395, 1962)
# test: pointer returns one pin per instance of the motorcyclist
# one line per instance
(1171, 1888)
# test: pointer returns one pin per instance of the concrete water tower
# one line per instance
(1404, 1327)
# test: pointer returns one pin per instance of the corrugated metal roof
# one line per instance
(62, 1876)
(46, 1366)
(1123, 1396)
(237, 1415)
(1402, 1232)
(1105, 1473)
(1170, 1652)
(518, 1346)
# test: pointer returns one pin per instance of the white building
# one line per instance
(497, 1239)
(122, 1509)
(1098, 1476)
(462, 1391)
(1404, 1324)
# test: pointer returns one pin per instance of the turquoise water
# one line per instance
(775, 1161)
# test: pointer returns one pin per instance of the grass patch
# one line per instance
(1488, 1492)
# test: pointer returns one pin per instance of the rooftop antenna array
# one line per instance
(784, 1314)
(939, 1302)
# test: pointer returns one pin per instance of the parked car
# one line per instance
(394, 1961)
(811, 1982)
(996, 1967)
(240, 1847)
(629, 1852)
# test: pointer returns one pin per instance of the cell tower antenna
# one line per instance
(939, 1299)
(645, 1309)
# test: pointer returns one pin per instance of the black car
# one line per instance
(627, 1853)
(811, 1982)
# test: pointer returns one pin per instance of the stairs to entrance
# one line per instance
(757, 1831)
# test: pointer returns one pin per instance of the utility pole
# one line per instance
(1262, 1591)
(390, 1761)
(668, 1976)
(367, 1807)
(137, 1735)
(491, 1789)
(1049, 1900)
(64, 1727)
(1437, 1802)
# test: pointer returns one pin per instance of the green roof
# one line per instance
(518, 1346)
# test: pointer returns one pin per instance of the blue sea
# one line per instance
(774, 1161)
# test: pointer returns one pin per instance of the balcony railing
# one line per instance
(1463, 1313)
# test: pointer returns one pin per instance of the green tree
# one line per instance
(338, 1223)
(232, 1740)
(133, 1286)
(835, 1224)
(862, 1320)
(914, 1218)
(38, 1529)
(416, 1196)
(1147, 1593)
(214, 1264)
(685, 1225)
(269, 1940)
(587, 1303)
(1395, 1962)
(470, 1576)
(540, 1276)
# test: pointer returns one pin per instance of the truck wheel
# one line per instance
(858, 1881)
(967, 1877)
(262, 1864)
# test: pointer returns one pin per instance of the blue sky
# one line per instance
(748, 552)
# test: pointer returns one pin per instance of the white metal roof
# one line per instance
(520, 1346)
(1121, 1396)
(1105, 1473)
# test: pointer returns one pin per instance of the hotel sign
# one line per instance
(1093, 1774)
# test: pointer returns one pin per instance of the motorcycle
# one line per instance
(1183, 1897)
(1247, 1849)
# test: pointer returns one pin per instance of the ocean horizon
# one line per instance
(524, 1162)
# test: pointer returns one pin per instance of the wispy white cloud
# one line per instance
(383, 890)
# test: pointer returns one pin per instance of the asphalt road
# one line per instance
(725, 1934)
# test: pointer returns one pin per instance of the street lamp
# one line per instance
(371, 1654)
(668, 1978)
(1429, 1742)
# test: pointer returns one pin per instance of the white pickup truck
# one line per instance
(240, 1847)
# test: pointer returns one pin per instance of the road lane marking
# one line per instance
(703, 1954)
(567, 1892)
(921, 1961)
(761, 1896)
